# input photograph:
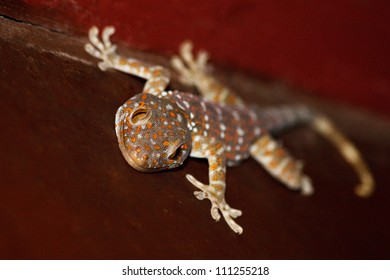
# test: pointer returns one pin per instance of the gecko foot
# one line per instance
(101, 48)
(218, 204)
(190, 69)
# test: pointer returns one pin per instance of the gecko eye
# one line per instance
(176, 154)
(140, 115)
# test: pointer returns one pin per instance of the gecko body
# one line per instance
(159, 129)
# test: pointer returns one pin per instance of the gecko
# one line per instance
(158, 129)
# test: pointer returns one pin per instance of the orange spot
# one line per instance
(166, 143)
(169, 126)
(156, 72)
(144, 97)
(173, 115)
(159, 132)
(157, 147)
(279, 152)
(134, 64)
(213, 166)
(218, 146)
(273, 164)
(132, 139)
(149, 125)
(147, 147)
(155, 136)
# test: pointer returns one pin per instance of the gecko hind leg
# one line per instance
(280, 164)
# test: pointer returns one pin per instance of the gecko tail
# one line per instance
(351, 154)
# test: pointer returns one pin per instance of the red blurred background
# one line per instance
(336, 49)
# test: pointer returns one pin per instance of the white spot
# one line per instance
(169, 107)
(237, 157)
(203, 106)
(240, 131)
(228, 148)
(238, 147)
(240, 140)
(236, 116)
(257, 131)
(219, 112)
(195, 129)
(193, 124)
(179, 118)
(206, 126)
(222, 127)
(192, 115)
(206, 118)
(205, 133)
(186, 104)
(222, 134)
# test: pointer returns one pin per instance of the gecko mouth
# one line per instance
(138, 161)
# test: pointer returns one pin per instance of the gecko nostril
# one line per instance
(176, 153)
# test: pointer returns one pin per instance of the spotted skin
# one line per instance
(159, 129)
(152, 133)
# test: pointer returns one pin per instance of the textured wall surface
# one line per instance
(337, 49)
(66, 191)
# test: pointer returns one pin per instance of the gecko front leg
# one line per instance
(215, 191)
(157, 76)
(193, 71)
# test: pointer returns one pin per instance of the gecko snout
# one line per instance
(138, 159)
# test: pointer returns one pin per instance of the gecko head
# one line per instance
(152, 133)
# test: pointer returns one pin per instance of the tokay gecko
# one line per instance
(159, 129)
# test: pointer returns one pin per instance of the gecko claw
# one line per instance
(102, 48)
(218, 204)
(190, 69)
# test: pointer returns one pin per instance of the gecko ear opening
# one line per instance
(140, 115)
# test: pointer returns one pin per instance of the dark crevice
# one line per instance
(31, 24)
